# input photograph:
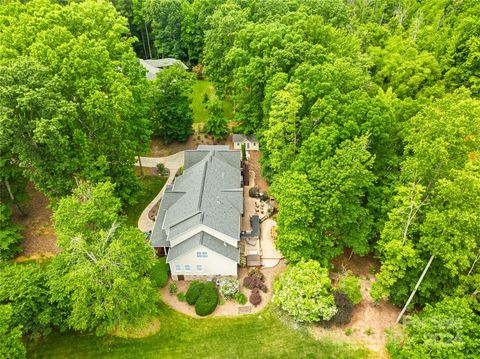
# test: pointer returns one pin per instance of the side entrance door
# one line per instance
(181, 277)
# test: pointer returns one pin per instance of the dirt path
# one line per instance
(159, 149)
(369, 320)
(255, 165)
(230, 308)
(38, 233)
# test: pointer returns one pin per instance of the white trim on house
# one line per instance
(199, 228)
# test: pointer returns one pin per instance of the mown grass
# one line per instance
(149, 188)
(200, 112)
(262, 335)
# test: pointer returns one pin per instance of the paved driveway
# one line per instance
(172, 163)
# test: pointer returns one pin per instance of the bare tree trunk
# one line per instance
(474, 262)
(425, 270)
(140, 163)
(10, 193)
(413, 211)
(148, 40)
(143, 44)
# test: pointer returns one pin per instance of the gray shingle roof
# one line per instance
(153, 66)
(208, 241)
(209, 192)
(166, 62)
(238, 137)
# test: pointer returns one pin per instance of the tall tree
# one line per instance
(72, 94)
(24, 288)
(172, 114)
(100, 279)
(10, 236)
(11, 345)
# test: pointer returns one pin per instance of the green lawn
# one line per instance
(149, 188)
(261, 335)
(200, 113)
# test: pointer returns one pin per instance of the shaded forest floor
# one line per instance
(37, 228)
(369, 320)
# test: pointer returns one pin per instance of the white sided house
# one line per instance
(198, 223)
(251, 143)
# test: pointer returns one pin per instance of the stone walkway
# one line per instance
(172, 163)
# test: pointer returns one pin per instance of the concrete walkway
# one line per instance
(172, 163)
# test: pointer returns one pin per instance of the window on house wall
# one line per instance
(187, 268)
(202, 255)
(199, 268)
(178, 268)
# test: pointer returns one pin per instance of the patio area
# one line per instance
(261, 251)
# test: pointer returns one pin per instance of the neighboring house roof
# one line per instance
(208, 241)
(237, 137)
(153, 66)
(209, 193)
(167, 62)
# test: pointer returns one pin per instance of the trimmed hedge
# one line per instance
(208, 299)
(159, 273)
(194, 291)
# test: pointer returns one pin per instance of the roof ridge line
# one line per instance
(202, 185)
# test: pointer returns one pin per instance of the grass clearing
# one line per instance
(261, 335)
(149, 188)
(200, 112)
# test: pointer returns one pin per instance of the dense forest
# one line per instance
(368, 116)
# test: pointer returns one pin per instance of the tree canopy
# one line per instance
(72, 94)
(305, 292)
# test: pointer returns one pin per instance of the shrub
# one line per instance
(255, 297)
(248, 282)
(228, 287)
(208, 300)
(181, 297)
(172, 288)
(194, 290)
(253, 192)
(241, 298)
(304, 291)
(162, 170)
(255, 279)
(257, 274)
(159, 273)
(348, 332)
(344, 306)
(350, 285)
